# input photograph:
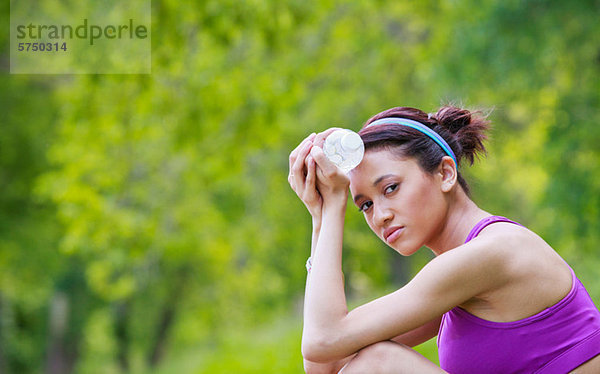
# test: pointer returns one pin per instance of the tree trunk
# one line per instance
(167, 317)
(57, 361)
(2, 335)
(122, 335)
(400, 269)
(159, 347)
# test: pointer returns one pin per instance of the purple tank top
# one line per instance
(555, 340)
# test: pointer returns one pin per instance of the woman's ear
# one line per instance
(448, 173)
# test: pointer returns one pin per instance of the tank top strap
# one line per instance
(486, 222)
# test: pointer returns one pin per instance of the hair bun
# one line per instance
(468, 128)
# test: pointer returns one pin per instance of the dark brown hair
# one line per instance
(463, 130)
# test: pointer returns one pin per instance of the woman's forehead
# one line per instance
(376, 164)
(377, 161)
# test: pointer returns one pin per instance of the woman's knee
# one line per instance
(328, 368)
(390, 357)
(372, 359)
(381, 350)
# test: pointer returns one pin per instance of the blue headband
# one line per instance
(419, 127)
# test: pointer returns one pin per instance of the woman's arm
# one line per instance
(315, 367)
(325, 298)
(420, 334)
(326, 368)
(332, 333)
(446, 281)
(316, 230)
(302, 179)
(410, 339)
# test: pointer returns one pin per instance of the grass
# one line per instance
(273, 348)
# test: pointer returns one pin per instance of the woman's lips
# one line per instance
(392, 233)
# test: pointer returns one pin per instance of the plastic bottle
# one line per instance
(344, 148)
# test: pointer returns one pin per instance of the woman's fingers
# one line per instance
(299, 164)
(294, 155)
(331, 182)
(309, 168)
(297, 175)
(327, 167)
(311, 176)
(319, 139)
(315, 139)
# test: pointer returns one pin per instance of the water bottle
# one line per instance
(344, 148)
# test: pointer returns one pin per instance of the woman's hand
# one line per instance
(307, 177)
(302, 178)
(331, 182)
(315, 179)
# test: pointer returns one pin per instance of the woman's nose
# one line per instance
(382, 214)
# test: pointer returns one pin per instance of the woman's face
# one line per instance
(403, 204)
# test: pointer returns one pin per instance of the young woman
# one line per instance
(498, 297)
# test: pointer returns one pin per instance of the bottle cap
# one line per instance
(351, 141)
(344, 148)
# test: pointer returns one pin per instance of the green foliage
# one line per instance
(159, 203)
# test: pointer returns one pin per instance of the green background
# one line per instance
(76, 37)
(146, 223)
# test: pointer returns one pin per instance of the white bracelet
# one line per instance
(309, 264)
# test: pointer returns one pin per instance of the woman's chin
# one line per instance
(404, 249)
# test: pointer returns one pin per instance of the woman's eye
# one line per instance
(365, 206)
(391, 188)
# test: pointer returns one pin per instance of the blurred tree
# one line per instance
(154, 212)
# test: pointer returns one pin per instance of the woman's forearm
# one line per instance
(325, 300)
(316, 229)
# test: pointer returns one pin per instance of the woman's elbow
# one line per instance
(317, 368)
(317, 350)
(311, 352)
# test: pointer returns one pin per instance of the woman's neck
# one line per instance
(462, 215)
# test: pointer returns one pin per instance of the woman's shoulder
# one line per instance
(516, 245)
(506, 234)
(480, 265)
(503, 251)
(530, 273)
(498, 245)
(507, 270)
